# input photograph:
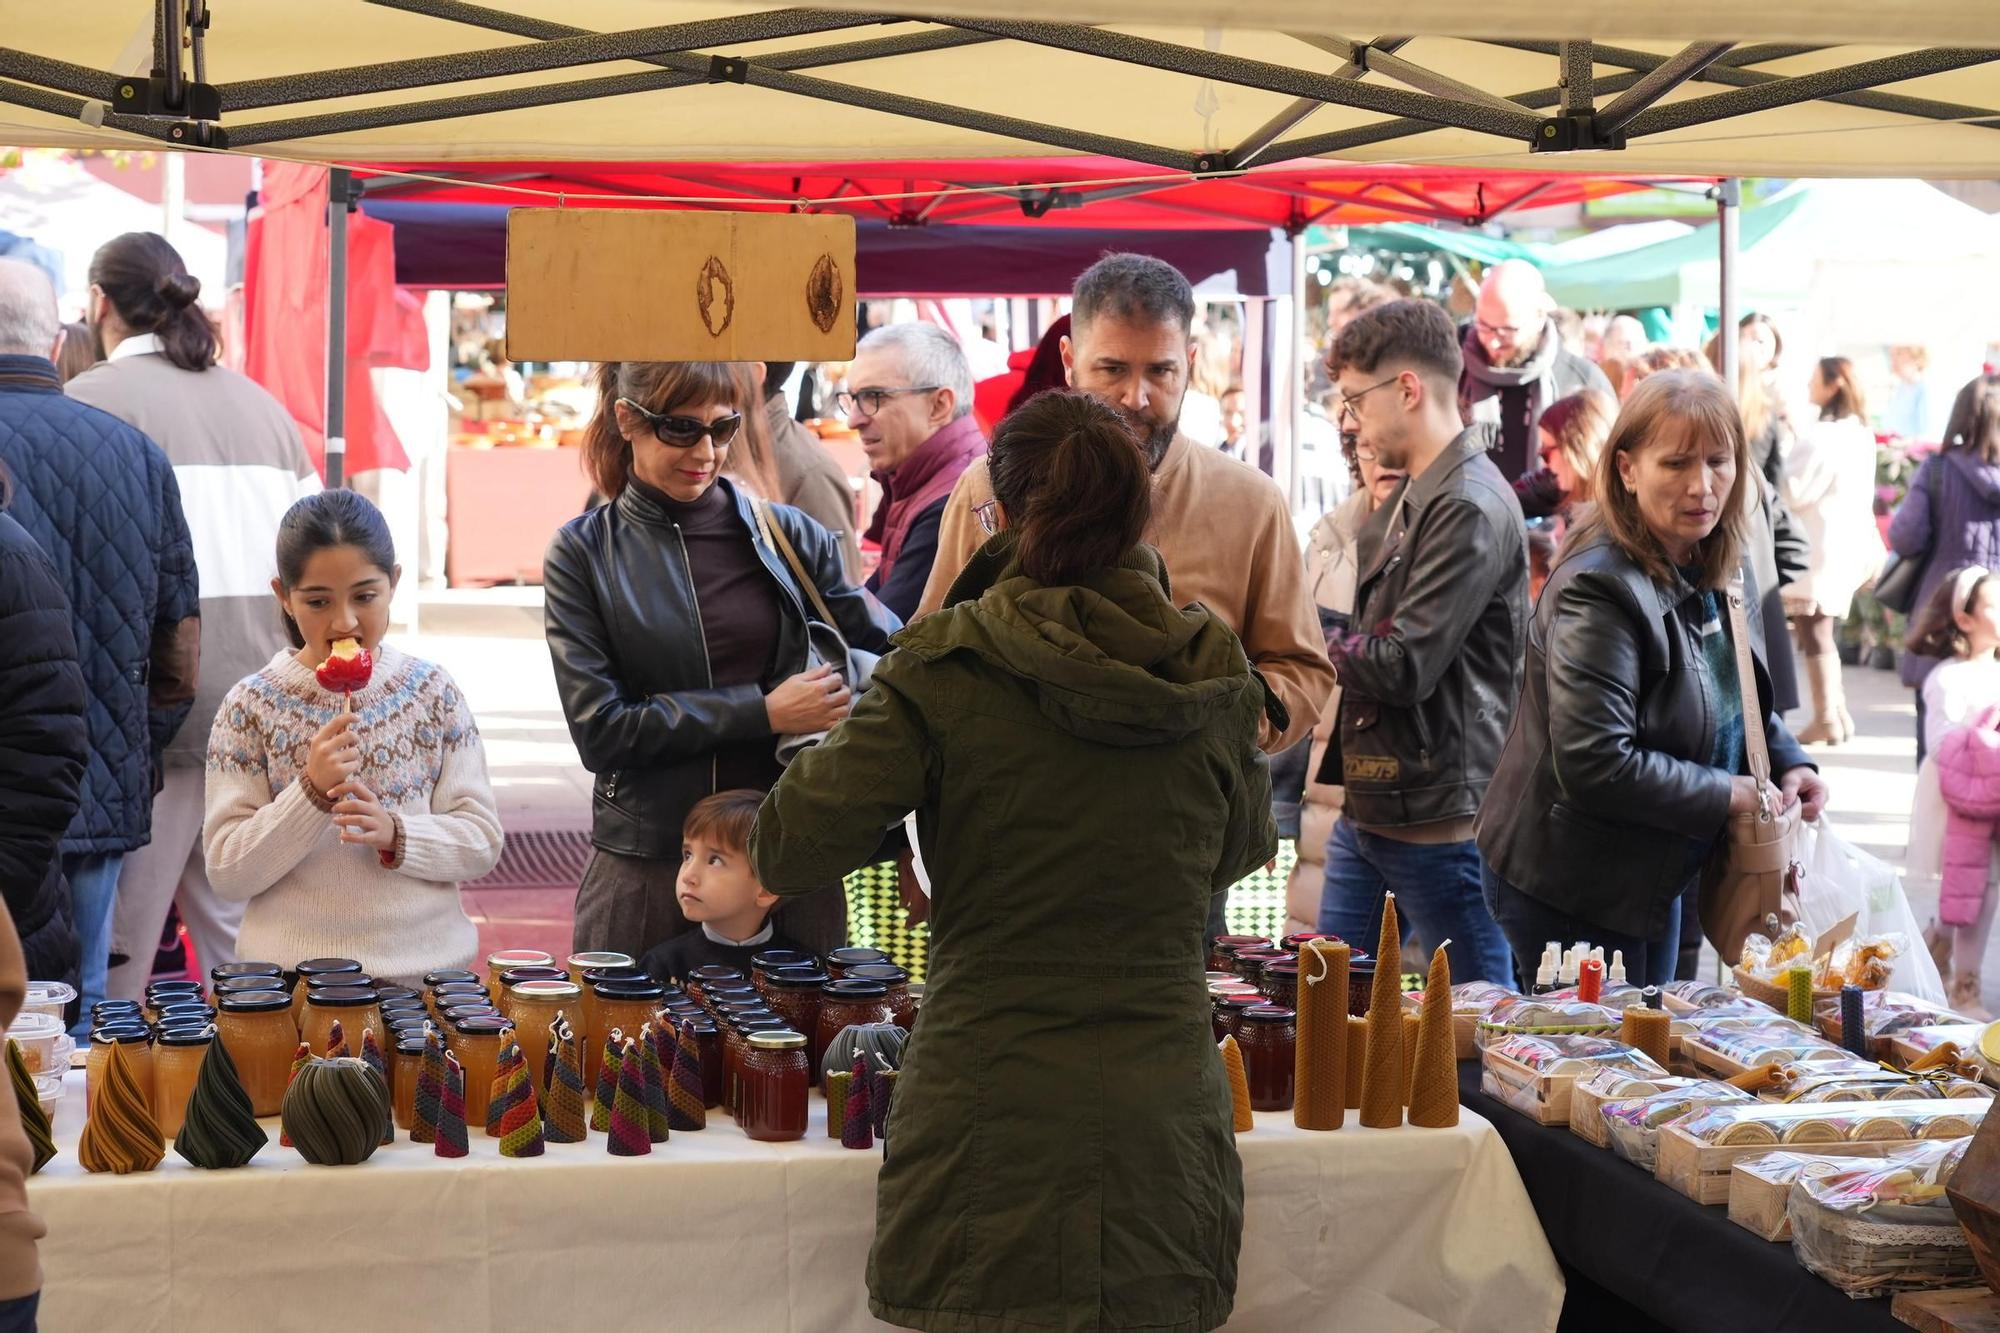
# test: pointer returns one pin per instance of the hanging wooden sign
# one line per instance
(682, 285)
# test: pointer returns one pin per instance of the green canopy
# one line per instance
(1658, 275)
(1415, 237)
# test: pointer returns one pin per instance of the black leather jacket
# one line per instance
(632, 666)
(1428, 681)
(1605, 805)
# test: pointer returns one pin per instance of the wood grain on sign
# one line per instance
(643, 285)
(1974, 1310)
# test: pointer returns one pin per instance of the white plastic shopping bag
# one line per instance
(1840, 881)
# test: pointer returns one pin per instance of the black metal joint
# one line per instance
(198, 134)
(728, 69)
(1574, 134)
(148, 97)
(202, 23)
(1213, 164)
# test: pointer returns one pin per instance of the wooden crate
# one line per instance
(1587, 1099)
(1906, 1048)
(1713, 1062)
(1966, 1310)
(1758, 1193)
(1702, 1170)
(1544, 1098)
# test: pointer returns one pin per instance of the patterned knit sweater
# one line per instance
(310, 895)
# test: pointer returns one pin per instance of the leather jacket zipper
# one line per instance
(701, 631)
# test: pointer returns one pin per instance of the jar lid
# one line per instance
(184, 1009)
(1360, 962)
(401, 1004)
(600, 958)
(238, 985)
(507, 958)
(1231, 942)
(716, 973)
(1241, 1002)
(410, 1045)
(854, 990)
(405, 1022)
(770, 958)
(747, 1023)
(1282, 969)
(629, 990)
(432, 980)
(734, 1006)
(115, 1006)
(393, 991)
(1269, 1013)
(681, 1004)
(701, 1027)
(458, 1013)
(855, 956)
(783, 1039)
(191, 1035)
(717, 994)
(446, 988)
(547, 990)
(122, 1034)
(340, 997)
(514, 976)
(624, 972)
(797, 978)
(1298, 941)
(313, 967)
(172, 987)
(228, 971)
(326, 979)
(482, 1025)
(254, 1001)
(887, 973)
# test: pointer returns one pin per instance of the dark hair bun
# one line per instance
(179, 290)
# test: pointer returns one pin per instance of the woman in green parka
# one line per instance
(1081, 755)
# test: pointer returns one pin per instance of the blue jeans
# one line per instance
(1437, 891)
(18, 1316)
(1530, 924)
(93, 889)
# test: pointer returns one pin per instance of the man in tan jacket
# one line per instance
(1222, 526)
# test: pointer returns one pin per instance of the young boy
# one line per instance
(719, 893)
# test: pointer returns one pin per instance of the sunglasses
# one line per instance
(687, 432)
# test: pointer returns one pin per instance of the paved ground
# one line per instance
(492, 643)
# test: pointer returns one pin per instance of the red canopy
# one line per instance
(1058, 191)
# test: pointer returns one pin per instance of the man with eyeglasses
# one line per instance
(909, 395)
(1430, 668)
(1516, 364)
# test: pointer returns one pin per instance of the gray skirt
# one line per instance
(626, 904)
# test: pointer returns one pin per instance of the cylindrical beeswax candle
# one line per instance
(1319, 1092)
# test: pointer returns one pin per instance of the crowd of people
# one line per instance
(1516, 678)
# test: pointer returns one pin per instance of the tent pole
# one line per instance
(1728, 207)
(1285, 453)
(338, 201)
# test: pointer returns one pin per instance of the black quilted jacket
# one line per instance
(42, 749)
(101, 500)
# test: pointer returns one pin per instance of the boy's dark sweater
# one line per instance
(673, 961)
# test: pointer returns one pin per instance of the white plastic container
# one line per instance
(44, 1044)
(48, 997)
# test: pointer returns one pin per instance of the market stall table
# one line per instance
(1665, 1261)
(1405, 1229)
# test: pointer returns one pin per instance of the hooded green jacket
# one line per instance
(1083, 764)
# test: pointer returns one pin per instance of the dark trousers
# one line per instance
(1530, 924)
(18, 1316)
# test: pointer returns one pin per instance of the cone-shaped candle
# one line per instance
(521, 1121)
(34, 1120)
(1240, 1116)
(120, 1135)
(1648, 1030)
(1410, 1024)
(626, 1128)
(430, 1088)
(837, 1084)
(856, 1123)
(1357, 1059)
(653, 1085)
(1853, 1027)
(220, 1129)
(502, 1086)
(1798, 995)
(567, 1121)
(607, 1081)
(686, 1104)
(1434, 1082)
(300, 1059)
(371, 1055)
(1382, 1073)
(336, 1043)
(1319, 1088)
(451, 1138)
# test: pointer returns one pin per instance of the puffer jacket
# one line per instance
(1968, 770)
(1950, 517)
(43, 744)
(101, 500)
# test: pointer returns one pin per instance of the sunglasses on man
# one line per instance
(686, 432)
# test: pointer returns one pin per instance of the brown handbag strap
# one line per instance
(783, 545)
(1746, 683)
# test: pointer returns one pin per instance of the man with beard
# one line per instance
(1516, 364)
(1222, 527)
(1431, 669)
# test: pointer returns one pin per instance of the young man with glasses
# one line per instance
(1430, 667)
(1516, 364)
(910, 396)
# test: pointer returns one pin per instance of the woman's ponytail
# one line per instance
(1073, 481)
(607, 455)
(146, 282)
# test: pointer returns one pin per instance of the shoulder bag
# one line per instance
(1897, 583)
(825, 644)
(1753, 884)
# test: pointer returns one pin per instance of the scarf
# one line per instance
(924, 478)
(1479, 389)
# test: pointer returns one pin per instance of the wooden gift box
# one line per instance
(1906, 1048)
(1701, 1170)
(1827, 1019)
(1760, 1187)
(1721, 1064)
(1587, 1099)
(1545, 1097)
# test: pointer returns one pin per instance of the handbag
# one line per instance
(1754, 881)
(1901, 576)
(825, 644)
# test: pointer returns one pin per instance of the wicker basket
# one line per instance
(1777, 997)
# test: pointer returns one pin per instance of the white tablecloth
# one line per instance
(1380, 1230)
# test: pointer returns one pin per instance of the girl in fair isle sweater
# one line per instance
(348, 831)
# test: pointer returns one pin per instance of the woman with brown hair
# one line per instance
(1830, 489)
(1081, 755)
(1627, 751)
(682, 640)
(1573, 430)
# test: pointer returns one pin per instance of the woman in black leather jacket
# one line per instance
(679, 636)
(1627, 752)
